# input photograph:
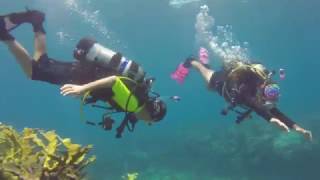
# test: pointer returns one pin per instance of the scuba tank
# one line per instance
(88, 50)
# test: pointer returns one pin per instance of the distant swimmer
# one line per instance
(98, 74)
(245, 86)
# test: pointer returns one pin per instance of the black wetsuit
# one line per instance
(246, 87)
(59, 72)
(78, 72)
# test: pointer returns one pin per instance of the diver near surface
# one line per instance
(99, 74)
(243, 85)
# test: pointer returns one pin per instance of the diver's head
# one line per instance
(156, 108)
(271, 92)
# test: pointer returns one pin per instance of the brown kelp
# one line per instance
(37, 154)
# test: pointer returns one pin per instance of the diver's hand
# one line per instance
(280, 124)
(72, 90)
(308, 135)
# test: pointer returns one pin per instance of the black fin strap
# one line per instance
(133, 125)
(130, 129)
(243, 116)
(120, 129)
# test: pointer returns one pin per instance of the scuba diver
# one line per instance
(98, 74)
(247, 87)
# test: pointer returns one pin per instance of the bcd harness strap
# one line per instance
(128, 118)
(231, 96)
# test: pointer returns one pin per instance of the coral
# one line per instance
(286, 145)
(36, 154)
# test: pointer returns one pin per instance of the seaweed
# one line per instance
(131, 176)
(37, 154)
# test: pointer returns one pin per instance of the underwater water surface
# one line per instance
(194, 141)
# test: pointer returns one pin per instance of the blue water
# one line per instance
(194, 141)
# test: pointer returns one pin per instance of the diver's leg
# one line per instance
(204, 71)
(11, 21)
(21, 54)
(39, 45)
(39, 35)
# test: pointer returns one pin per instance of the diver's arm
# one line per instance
(291, 124)
(76, 90)
(100, 83)
(282, 117)
(279, 124)
(266, 114)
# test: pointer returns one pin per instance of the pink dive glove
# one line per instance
(203, 55)
(180, 74)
